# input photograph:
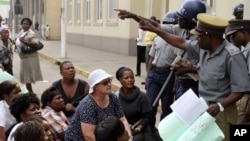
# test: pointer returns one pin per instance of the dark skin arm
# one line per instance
(172, 39)
(150, 25)
(123, 14)
(2, 134)
(183, 70)
(214, 109)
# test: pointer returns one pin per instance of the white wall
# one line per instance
(246, 9)
(4, 11)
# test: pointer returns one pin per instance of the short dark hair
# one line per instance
(21, 103)
(109, 129)
(30, 131)
(6, 87)
(63, 63)
(26, 19)
(48, 96)
(120, 71)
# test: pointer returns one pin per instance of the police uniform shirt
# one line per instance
(246, 52)
(162, 52)
(220, 73)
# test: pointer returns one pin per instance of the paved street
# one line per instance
(84, 59)
(87, 59)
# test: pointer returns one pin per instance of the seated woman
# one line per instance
(111, 129)
(135, 104)
(53, 105)
(98, 105)
(71, 89)
(8, 90)
(23, 107)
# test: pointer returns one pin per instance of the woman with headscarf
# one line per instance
(98, 105)
(30, 71)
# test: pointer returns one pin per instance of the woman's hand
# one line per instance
(69, 107)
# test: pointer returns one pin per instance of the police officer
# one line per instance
(149, 39)
(239, 30)
(238, 11)
(187, 16)
(161, 56)
(220, 82)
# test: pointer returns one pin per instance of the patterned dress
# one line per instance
(89, 112)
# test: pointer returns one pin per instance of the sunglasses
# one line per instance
(106, 81)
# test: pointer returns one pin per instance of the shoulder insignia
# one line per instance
(232, 50)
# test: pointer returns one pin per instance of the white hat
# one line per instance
(3, 28)
(96, 77)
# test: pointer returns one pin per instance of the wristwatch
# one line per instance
(220, 107)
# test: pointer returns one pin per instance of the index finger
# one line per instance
(117, 9)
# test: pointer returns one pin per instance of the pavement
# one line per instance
(87, 59)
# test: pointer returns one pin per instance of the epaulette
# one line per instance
(232, 50)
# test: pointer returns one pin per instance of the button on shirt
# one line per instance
(246, 53)
(221, 72)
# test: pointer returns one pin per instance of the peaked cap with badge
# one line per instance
(235, 25)
(209, 24)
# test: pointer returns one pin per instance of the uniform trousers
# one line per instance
(155, 81)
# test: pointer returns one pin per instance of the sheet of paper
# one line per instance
(203, 129)
(171, 127)
(189, 107)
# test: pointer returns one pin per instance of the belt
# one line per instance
(187, 83)
(161, 69)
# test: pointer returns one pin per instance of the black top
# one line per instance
(79, 95)
(136, 106)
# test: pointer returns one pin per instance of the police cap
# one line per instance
(209, 24)
(235, 25)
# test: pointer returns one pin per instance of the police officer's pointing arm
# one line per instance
(124, 14)
(174, 40)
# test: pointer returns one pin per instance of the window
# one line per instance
(99, 10)
(69, 12)
(78, 11)
(112, 16)
(87, 10)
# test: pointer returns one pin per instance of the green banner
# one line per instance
(6, 2)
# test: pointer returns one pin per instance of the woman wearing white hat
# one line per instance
(98, 105)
